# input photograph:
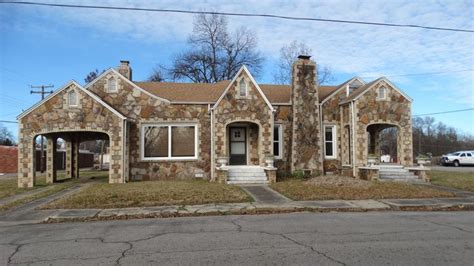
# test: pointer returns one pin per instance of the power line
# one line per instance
(424, 74)
(6, 121)
(182, 11)
(446, 112)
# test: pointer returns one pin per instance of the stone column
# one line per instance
(51, 159)
(69, 158)
(26, 160)
(306, 145)
(75, 153)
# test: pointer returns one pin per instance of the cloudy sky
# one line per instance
(49, 45)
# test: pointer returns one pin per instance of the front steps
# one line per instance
(246, 175)
(397, 173)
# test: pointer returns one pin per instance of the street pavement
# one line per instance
(373, 238)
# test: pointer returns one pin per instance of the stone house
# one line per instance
(187, 130)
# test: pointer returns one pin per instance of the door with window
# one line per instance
(237, 146)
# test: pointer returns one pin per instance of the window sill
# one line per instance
(169, 160)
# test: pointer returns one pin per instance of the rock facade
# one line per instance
(306, 135)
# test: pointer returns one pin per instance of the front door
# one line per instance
(238, 146)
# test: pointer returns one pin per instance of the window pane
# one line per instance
(329, 149)
(182, 141)
(237, 148)
(72, 98)
(112, 85)
(156, 141)
(328, 133)
(243, 88)
(276, 133)
(276, 148)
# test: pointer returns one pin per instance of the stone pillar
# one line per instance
(306, 144)
(75, 153)
(116, 175)
(51, 159)
(69, 158)
(26, 160)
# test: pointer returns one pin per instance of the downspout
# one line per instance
(124, 141)
(321, 134)
(211, 110)
(353, 139)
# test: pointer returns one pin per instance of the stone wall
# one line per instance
(306, 142)
(141, 108)
(395, 110)
(252, 108)
(55, 115)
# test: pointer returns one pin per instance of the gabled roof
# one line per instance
(244, 69)
(363, 89)
(88, 85)
(72, 82)
(339, 88)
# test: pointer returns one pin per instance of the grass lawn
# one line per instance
(352, 189)
(464, 181)
(151, 193)
(8, 187)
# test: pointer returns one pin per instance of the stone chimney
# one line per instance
(306, 142)
(125, 69)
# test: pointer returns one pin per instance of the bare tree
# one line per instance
(6, 137)
(93, 75)
(156, 75)
(214, 54)
(288, 55)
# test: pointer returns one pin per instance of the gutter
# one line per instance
(211, 110)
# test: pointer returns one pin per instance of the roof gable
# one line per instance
(64, 87)
(342, 87)
(362, 90)
(252, 80)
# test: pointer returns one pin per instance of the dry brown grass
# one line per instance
(347, 188)
(464, 181)
(151, 193)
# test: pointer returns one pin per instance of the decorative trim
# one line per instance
(342, 86)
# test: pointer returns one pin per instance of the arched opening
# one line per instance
(243, 147)
(383, 143)
(71, 155)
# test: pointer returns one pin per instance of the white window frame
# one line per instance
(115, 81)
(169, 157)
(334, 142)
(384, 93)
(246, 88)
(69, 98)
(280, 141)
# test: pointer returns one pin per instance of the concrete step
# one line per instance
(414, 180)
(247, 179)
(385, 166)
(247, 182)
(246, 170)
(247, 174)
(396, 174)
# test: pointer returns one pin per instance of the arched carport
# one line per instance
(85, 118)
(374, 139)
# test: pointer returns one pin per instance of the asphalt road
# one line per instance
(464, 169)
(374, 238)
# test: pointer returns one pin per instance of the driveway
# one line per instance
(376, 238)
(463, 169)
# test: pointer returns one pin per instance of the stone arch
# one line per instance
(254, 140)
(373, 131)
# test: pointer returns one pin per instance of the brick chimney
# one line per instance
(306, 144)
(125, 69)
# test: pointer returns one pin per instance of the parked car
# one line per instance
(458, 158)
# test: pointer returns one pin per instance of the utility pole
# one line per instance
(42, 92)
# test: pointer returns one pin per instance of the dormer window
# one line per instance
(112, 85)
(243, 90)
(382, 93)
(72, 98)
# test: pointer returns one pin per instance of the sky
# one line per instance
(50, 45)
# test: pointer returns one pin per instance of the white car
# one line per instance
(458, 158)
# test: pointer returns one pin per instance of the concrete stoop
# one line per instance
(246, 175)
(397, 173)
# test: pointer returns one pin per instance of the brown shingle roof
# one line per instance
(210, 92)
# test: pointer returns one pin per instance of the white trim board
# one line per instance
(377, 81)
(67, 85)
(343, 86)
